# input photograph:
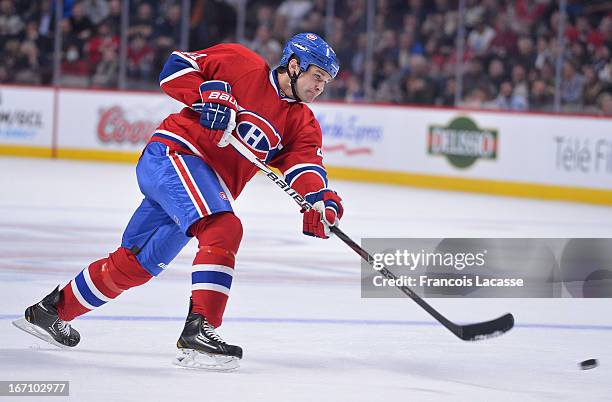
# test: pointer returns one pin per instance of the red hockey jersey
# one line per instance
(298, 155)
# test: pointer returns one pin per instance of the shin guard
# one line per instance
(101, 282)
(219, 237)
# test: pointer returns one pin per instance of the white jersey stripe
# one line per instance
(213, 268)
(301, 165)
(198, 153)
(308, 171)
(188, 59)
(178, 74)
(93, 287)
(80, 297)
(210, 286)
(197, 189)
(182, 140)
(178, 172)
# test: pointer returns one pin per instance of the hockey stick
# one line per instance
(469, 332)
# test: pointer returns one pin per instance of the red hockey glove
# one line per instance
(326, 212)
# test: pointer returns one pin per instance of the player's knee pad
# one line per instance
(125, 271)
(218, 232)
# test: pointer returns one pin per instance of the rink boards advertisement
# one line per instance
(519, 154)
(559, 157)
(109, 125)
(26, 120)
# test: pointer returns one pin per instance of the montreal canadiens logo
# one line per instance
(257, 133)
(311, 36)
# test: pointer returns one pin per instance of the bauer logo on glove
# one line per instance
(217, 106)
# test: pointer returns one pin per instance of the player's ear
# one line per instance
(294, 66)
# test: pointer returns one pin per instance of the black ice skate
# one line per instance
(42, 321)
(201, 347)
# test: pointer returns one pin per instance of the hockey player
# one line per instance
(189, 178)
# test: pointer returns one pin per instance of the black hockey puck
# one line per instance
(588, 364)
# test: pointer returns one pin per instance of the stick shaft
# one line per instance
(469, 332)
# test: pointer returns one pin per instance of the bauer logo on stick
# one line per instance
(257, 134)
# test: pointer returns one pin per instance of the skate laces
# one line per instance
(63, 327)
(210, 332)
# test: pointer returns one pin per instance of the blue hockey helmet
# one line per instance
(310, 49)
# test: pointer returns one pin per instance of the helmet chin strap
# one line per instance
(293, 78)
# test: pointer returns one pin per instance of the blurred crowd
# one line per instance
(510, 51)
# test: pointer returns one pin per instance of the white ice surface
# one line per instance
(295, 304)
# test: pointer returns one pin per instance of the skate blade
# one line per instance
(194, 359)
(40, 333)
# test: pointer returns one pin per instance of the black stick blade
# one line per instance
(487, 329)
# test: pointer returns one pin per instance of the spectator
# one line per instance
(447, 97)
(168, 30)
(509, 44)
(357, 62)
(601, 59)
(312, 23)
(96, 10)
(293, 11)
(75, 70)
(143, 24)
(605, 74)
(355, 19)
(81, 25)
(4, 75)
(541, 96)
(267, 46)
(474, 76)
(140, 57)
(573, 83)
(544, 53)
(387, 45)
(476, 99)
(417, 86)
(11, 24)
(593, 87)
(27, 65)
(212, 22)
(42, 16)
(577, 52)
(406, 48)
(102, 40)
(114, 15)
(605, 104)
(480, 38)
(526, 55)
(497, 73)
(106, 72)
(259, 15)
(505, 42)
(507, 100)
(519, 81)
(354, 89)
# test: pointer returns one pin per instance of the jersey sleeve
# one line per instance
(183, 72)
(182, 75)
(301, 160)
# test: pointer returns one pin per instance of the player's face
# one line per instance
(312, 83)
